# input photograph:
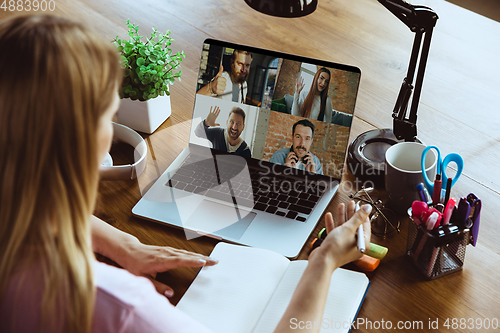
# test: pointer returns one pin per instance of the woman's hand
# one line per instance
(338, 248)
(340, 244)
(148, 260)
(299, 84)
(141, 259)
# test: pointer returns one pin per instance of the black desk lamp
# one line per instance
(366, 156)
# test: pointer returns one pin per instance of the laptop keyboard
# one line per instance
(274, 194)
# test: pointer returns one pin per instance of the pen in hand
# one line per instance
(361, 239)
(361, 236)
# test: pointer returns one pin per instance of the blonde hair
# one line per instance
(57, 78)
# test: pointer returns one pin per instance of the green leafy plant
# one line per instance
(149, 65)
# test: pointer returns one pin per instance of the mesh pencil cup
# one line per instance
(438, 252)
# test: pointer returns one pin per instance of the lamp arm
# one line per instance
(421, 20)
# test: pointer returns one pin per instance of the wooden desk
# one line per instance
(458, 112)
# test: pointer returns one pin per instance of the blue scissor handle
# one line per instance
(441, 167)
(453, 157)
(428, 183)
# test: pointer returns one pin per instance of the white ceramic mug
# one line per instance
(403, 173)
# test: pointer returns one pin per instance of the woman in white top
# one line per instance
(315, 103)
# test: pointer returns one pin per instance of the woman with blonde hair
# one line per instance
(315, 103)
(58, 94)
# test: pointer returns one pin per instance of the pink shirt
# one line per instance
(124, 303)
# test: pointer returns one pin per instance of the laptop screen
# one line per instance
(275, 107)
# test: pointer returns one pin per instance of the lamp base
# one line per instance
(283, 8)
(366, 154)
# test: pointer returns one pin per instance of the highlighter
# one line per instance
(316, 243)
(322, 234)
(450, 206)
(367, 263)
(377, 251)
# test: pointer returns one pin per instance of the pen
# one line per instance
(424, 194)
(448, 191)
(436, 194)
(428, 198)
(361, 239)
(420, 189)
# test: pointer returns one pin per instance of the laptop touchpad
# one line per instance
(221, 220)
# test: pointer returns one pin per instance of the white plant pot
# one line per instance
(144, 116)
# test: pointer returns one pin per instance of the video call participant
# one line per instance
(315, 103)
(225, 139)
(299, 155)
(231, 86)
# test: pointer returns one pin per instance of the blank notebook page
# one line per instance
(232, 294)
(347, 289)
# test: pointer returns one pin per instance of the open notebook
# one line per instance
(250, 289)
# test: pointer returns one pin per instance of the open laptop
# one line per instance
(260, 168)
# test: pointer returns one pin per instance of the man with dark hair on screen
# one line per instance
(231, 85)
(225, 139)
(299, 155)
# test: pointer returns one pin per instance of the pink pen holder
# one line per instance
(438, 252)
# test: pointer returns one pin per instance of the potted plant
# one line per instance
(150, 67)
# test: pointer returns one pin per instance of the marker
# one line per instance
(440, 207)
(322, 234)
(367, 263)
(316, 243)
(433, 221)
(436, 194)
(377, 251)
(463, 213)
(418, 209)
(450, 206)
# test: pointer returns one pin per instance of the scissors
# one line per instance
(441, 167)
